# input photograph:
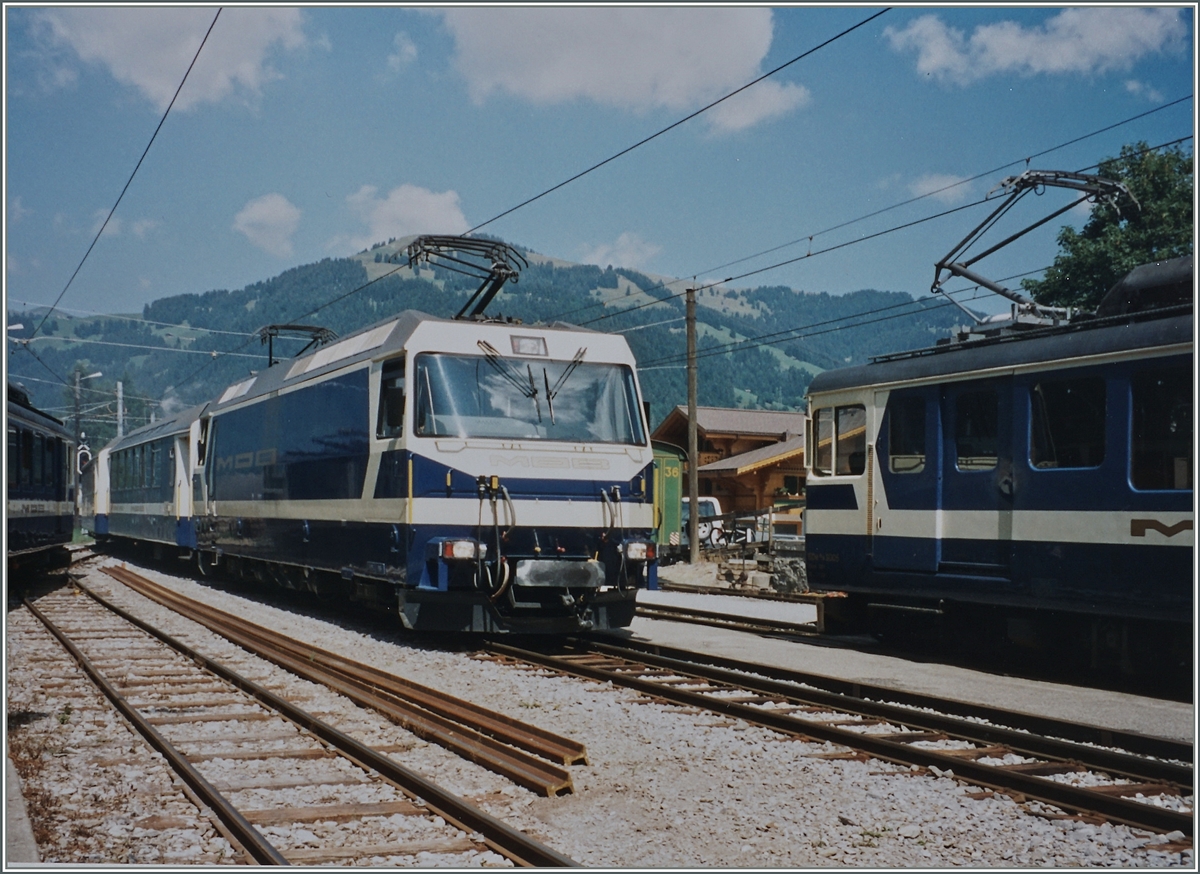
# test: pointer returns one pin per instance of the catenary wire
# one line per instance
(755, 342)
(676, 124)
(130, 180)
(810, 237)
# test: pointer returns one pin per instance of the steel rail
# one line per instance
(1132, 742)
(512, 731)
(431, 716)
(1020, 742)
(1064, 796)
(252, 841)
(498, 835)
(725, 620)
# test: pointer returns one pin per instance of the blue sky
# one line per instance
(311, 132)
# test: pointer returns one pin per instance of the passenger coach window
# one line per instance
(906, 435)
(823, 437)
(14, 455)
(975, 430)
(1162, 429)
(391, 399)
(851, 440)
(1067, 423)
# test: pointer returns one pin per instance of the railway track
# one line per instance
(303, 792)
(1050, 766)
(737, 623)
(528, 755)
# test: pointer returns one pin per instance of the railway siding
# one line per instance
(303, 792)
(667, 786)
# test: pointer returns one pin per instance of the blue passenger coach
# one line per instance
(40, 509)
(1040, 479)
(475, 475)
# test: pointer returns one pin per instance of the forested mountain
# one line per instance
(185, 349)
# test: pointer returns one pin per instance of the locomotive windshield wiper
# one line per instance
(502, 367)
(552, 393)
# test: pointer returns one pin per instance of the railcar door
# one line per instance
(977, 479)
(907, 497)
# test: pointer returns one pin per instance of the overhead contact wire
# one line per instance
(130, 180)
(676, 124)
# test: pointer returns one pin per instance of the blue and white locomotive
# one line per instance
(473, 474)
(40, 508)
(1027, 482)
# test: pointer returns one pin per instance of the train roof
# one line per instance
(386, 336)
(1042, 345)
(20, 406)
(176, 424)
(1151, 306)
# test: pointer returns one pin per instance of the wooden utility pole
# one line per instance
(693, 435)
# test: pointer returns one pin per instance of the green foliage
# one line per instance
(1112, 243)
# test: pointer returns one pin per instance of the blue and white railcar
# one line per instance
(141, 484)
(1044, 475)
(40, 509)
(476, 475)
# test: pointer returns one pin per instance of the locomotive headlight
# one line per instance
(463, 550)
(639, 551)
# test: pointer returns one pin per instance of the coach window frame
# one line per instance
(1142, 440)
(1061, 416)
(834, 423)
(906, 432)
(966, 415)
(390, 421)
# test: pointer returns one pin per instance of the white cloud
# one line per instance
(17, 210)
(407, 209)
(1084, 40)
(113, 228)
(629, 58)
(150, 48)
(629, 250)
(941, 186)
(142, 227)
(1142, 89)
(405, 53)
(765, 100)
(269, 222)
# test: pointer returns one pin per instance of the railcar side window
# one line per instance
(823, 431)
(976, 430)
(391, 400)
(1162, 429)
(906, 435)
(14, 455)
(1067, 423)
(26, 457)
(851, 440)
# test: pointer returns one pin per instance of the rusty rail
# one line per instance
(492, 740)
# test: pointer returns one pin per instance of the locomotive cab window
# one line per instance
(906, 435)
(823, 438)
(840, 434)
(391, 400)
(1162, 429)
(1067, 423)
(976, 430)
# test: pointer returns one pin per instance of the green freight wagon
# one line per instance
(669, 463)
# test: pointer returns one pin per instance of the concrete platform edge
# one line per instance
(19, 846)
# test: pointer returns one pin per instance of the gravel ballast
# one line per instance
(663, 787)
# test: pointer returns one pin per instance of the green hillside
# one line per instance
(165, 358)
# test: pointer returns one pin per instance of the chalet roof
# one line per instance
(745, 462)
(727, 420)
